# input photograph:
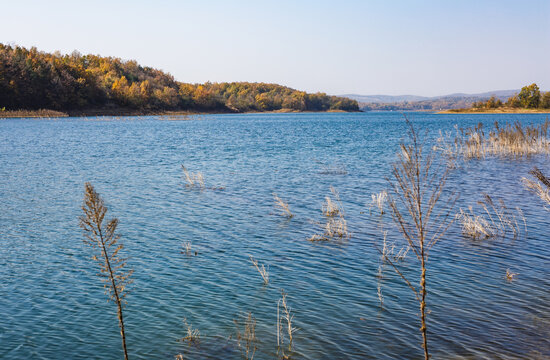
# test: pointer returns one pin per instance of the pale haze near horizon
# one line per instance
(424, 48)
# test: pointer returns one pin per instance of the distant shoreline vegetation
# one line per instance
(529, 100)
(75, 84)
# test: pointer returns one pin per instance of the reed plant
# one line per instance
(284, 326)
(186, 248)
(193, 180)
(261, 269)
(539, 185)
(379, 202)
(246, 339)
(282, 206)
(102, 237)
(421, 211)
(192, 336)
(510, 275)
(335, 227)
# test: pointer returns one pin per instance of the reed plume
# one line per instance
(101, 235)
(421, 210)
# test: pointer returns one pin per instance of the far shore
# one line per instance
(44, 113)
(495, 111)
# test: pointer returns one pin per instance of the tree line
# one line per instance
(32, 79)
(530, 97)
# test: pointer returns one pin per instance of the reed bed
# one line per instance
(514, 141)
(497, 221)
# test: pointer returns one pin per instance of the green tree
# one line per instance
(529, 96)
(545, 100)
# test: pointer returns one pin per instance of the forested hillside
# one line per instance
(31, 79)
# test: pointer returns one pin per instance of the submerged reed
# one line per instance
(263, 272)
(246, 340)
(105, 241)
(283, 206)
(193, 180)
(284, 325)
(336, 227)
(379, 201)
(193, 336)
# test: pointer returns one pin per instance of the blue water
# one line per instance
(52, 304)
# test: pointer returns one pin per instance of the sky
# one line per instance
(339, 47)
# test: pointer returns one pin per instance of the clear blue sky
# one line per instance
(346, 46)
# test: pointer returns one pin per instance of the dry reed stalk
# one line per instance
(332, 208)
(193, 336)
(379, 201)
(510, 275)
(186, 248)
(283, 206)
(248, 336)
(416, 191)
(286, 317)
(540, 186)
(104, 239)
(193, 179)
(263, 272)
(336, 226)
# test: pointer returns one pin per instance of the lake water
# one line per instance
(52, 304)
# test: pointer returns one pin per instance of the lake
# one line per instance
(52, 303)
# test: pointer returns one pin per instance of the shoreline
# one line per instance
(44, 113)
(495, 111)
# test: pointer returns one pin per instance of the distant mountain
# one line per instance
(386, 99)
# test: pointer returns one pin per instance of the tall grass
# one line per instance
(515, 140)
(421, 210)
(102, 237)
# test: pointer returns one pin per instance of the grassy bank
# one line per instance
(42, 113)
